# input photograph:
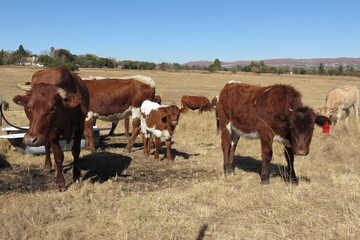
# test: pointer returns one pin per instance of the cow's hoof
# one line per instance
(126, 150)
(61, 188)
(78, 180)
(47, 169)
(228, 174)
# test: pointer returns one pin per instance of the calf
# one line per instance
(341, 98)
(273, 113)
(196, 102)
(161, 121)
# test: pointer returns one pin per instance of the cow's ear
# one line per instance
(321, 120)
(72, 100)
(21, 100)
(184, 110)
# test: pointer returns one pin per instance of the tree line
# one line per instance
(58, 57)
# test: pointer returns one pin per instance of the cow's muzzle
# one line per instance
(33, 141)
(301, 152)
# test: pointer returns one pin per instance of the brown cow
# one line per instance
(161, 121)
(156, 99)
(273, 113)
(5, 105)
(114, 99)
(196, 102)
(56, 104)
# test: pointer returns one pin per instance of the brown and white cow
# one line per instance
(56, 104)
(114, 99)
(341, 98)
(160, 121)
(273, 113)
(196, 102)
(214, 101)
(156, 99)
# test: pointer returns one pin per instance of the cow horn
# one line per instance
(24, 87)
(62, 93)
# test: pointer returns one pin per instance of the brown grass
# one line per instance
(125, 196)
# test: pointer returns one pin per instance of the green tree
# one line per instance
(340, 70)
(321, 69)
(216, 66)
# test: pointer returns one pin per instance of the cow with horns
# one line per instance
(56, 103)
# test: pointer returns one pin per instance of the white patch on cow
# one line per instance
(90, 115)
(236, 133)
(284, 141)
(144, 79)
(147, 106)
(118, 116)
(233, 81)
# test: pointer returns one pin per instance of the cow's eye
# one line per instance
(53, 109)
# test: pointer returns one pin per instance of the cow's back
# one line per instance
(247, 105)
(346, 95)
(117, 95)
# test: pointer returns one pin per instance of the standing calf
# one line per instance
(161, 121)
(273, 113)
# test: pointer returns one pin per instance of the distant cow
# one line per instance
(160, 121)
(5, 105)
(273, 113)
(196, 102)
(156, 99)
(56, 104)
(114, 99)
(341, 98)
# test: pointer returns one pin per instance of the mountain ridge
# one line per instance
(287, 62)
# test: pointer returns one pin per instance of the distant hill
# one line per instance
(288, 62)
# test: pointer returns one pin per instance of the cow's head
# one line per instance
(172, 115)
(44, 105)
(301, 122)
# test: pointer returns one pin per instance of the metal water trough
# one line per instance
(15, 137)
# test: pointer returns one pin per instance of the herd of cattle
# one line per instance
(58, 103)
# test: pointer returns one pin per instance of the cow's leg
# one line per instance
(59, 158)
(47, 165)
(157, 147)
(168, 150)
(113, 126)
(89, 135)
(347, 114)
(229, 165)
(76, 153)
(289, 155)
(126, 126)
(356, 111)
(338, 115)
(266, 154)
(146, 145)
(135, 112)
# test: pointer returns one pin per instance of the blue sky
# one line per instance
(182, 31)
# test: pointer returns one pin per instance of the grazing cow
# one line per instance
(114, 99)
(5, 105)
(56, 104)
(341, 98)
(161, 121)
(273, 113)
(156, 99)
(196, 102)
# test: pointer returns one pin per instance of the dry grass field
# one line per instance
(125, 196)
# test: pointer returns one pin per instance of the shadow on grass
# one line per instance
(250, 164)
(101, 166)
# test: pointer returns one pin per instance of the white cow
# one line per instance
(341, 98)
